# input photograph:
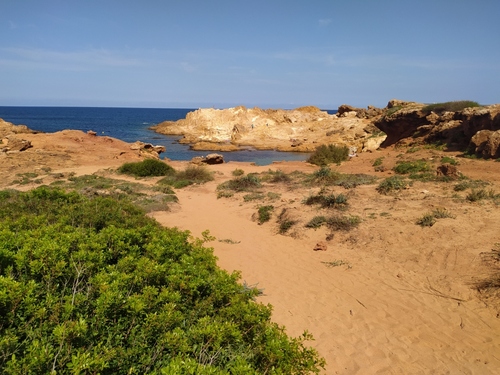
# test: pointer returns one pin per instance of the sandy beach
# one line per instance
(387, 297)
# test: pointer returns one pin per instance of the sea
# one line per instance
(130, 125)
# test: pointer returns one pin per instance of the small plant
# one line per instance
(427, 220)
(230, 241)
(492, 283)
(448, 160)
(285, 225)
(147, 168)
(477, 195)
(409, 167)
(238, 172)
(393, 183)
(327, 154)
(343, 223)
(378, 161)
(264, 213)
(224, 194)
(273, 196)
(253, 197)
(442, 213)
(278, 176)
(245, 183)
(337, 263)
(316, 222)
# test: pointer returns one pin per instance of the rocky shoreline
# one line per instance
(474, 129)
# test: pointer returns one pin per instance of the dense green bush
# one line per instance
(191, 175)
(327, 154)
(94, 286)
(147, 168)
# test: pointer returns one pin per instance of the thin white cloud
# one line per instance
(74, 60)
(325, 22)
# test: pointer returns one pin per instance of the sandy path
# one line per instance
(383, 315)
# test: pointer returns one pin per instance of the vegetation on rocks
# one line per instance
(453, 106)
(92, 285)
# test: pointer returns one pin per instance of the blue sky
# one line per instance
(272, 54)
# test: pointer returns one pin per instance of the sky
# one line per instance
(270, 54)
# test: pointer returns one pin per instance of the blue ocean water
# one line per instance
(130, 125)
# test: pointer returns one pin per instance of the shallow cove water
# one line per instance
(130, 125)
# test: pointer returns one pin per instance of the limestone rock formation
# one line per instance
(12, 144)
(412, 123)
(301, 129)
(486, 143)
(148, 148)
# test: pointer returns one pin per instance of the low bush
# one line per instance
(411, 167)
(238, 172)
(246, 183)
(316, 222)
(327, 201)
(448, 160)
(147, 168)
(453, 106)
(325, 176)
(343, 223)
(189, 176)
(327, 154)
(427, 220)
(393, 183)
(264, 213)
(94, 286)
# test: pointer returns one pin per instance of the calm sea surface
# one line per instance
(130, 125)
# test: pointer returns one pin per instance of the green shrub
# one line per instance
(238, 172)
(316, 222)
(325, 176)
(410, 167)
(327, 154)
(265, 213)
(454, 106)
(285, 225)
(147, 168)
(378, 161)
(189, 176)
(442, 213)
(125, 296)
(253, 196)
(343, 223)
(393, 183)
(448, 160)
(427, 220)
(245, 183)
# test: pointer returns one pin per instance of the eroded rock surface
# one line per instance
(302, 129)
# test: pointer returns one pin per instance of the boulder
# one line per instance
(486, 143)
(448, 170)
(138, 145)
(213, 159)
(321, 246)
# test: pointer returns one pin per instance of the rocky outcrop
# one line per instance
(209, 159)
(302, 129)
(7, 128)
(413, 123)
(148, 148)
(486, 143)
(14, 144)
